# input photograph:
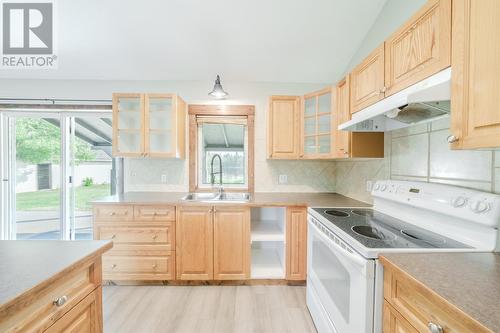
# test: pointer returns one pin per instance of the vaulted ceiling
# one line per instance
(252, 40)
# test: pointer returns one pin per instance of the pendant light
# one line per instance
(218, 92)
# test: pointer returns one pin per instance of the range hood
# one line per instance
(424, 101)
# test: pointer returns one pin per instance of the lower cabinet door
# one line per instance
(296, 243)
(194, 243)
(394, 322)
(231, 243)
(85, 317)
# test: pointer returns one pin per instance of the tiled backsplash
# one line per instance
(421, 153)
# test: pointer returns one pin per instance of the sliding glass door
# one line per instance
(36, 178)
(55, 164)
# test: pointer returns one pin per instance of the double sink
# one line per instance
(230, 197)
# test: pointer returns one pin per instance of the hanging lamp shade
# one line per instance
(218, 92)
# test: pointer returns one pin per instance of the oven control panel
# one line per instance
(477, 206)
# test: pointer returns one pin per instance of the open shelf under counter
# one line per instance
(267, 231)
(268, 262)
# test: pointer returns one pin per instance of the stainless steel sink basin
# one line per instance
(233, 197)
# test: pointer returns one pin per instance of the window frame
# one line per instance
(195, 110)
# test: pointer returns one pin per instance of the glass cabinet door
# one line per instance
(318, 124)
(160, 124)
(129, 112)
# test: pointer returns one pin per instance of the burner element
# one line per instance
(370, 232)
(338, 213)
(362, 212)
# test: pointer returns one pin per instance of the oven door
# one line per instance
(341, 280)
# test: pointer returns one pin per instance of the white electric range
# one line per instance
(344, 277)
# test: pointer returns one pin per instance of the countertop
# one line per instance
(25, 265)
(469, 281)
(258, 199)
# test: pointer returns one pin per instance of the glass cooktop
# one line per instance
(376, 230)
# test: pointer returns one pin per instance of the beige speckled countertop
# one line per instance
(28, 265)
(469, 281)
(258, 199)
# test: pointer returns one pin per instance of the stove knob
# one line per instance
(480, 207)
(459, 202)
(383, 187)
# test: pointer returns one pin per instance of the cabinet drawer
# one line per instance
(420, 306)
(154, 213)
(113, 213)
(84, 317)
(38, 311)
(394, 322)
(139, 268)
(157, 235)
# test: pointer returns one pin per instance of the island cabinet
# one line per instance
(213, 243)
(475, 112)
(149, 125)
(70, 300)
(144, 241)
(409, 306)
(283, 131)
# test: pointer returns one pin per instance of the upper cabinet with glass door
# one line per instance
(150, 125)
(317, 120)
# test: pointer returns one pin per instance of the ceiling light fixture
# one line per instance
(218, 92)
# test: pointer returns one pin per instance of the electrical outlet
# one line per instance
(369, 185)
(163, 179)
(282, 179)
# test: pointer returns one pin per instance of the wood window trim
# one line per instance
(220, 110)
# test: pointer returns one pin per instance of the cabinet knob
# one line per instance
(435, 328)
(113, 266)
(383, 90)
(451, 138)
(154, 266)
(154, 236)
(113, 237)
(60, 301)
(112, 214)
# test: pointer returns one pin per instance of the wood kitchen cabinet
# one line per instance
(152, 125)
(475, 114)
(394, 321)
(420, 48)
(231, 243)
(283, 127)
(353, 144)
(194, 243)
(144, 241)
(367, 81)
(317, 124)
(296, 243)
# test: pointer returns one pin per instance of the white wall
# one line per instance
(145, 174)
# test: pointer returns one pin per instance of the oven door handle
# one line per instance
(337, 248)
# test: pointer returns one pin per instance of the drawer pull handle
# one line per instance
(113, 237)
(154, 266)
(112, 214)
(60, 301)
(154, 237)
(113, 266)
(435, 328)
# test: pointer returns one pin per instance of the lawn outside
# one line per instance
(50, 199)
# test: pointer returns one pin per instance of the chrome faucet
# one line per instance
(212, 173)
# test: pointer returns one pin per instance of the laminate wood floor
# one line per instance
(218, 309)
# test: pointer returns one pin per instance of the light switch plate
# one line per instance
(282, 179)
